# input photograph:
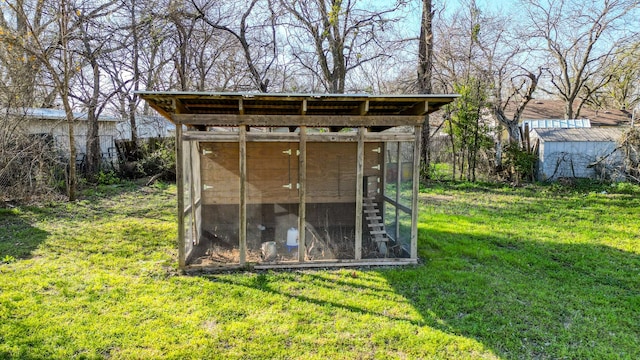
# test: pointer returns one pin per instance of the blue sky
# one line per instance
(414, 9)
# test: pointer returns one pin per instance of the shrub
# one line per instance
(155, 157)
(521, 162)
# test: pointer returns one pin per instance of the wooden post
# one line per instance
(302, 180)
(243, 194)
(416, 189)
(192, 195)
(180, 185)
(359, 190)
(398, 182)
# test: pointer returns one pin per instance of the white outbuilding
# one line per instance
(53, 123)
(577, 152)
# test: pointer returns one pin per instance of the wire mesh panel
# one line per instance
(398, 196)
(330, 201)
(219, 189)
(272, 196)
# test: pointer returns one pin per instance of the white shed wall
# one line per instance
(59, 130)
(571, 159)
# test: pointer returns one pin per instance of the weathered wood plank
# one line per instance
(341, 263)
(359, 187)
(273, 136)
(180, 190)
(332, 137)
(376, 137)
(302, 192)
(414, 201)
(243, 195)
(297, 120)
(211, 136)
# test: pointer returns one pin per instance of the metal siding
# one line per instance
(574, 157)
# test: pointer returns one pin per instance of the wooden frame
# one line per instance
(246, 114)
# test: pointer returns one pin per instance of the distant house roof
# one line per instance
(554, 109)
(558, 123)
(57, 114)
(578, 134)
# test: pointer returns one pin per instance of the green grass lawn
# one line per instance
(544, 272)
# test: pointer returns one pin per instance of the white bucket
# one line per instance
(292, 237)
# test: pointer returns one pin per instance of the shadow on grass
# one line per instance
(527, 299)
(519, 299)
(263, 282)
(18, 239)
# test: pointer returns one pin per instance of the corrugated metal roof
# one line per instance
(57, 114)
(273, 109)
(558, 123)
(597, 134)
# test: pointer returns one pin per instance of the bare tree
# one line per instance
(17, 21)
(257, 37)
(580, 38)
(49, 42)
(425, 69)
(139, 60)
(483, 45)
(623, 91)
(329, 38)
(522, 88)
(95, 39)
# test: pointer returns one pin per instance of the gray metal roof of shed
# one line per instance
(557, 123)
(57, 114)
(594, 134)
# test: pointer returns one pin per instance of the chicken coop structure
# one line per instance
(296, 180)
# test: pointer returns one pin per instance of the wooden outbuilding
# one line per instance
(296, 180)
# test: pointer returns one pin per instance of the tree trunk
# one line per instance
(425, 66)
(93, 158)
(72, 181)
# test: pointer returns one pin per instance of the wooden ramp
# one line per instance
(375, 224)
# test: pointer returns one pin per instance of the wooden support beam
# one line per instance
(359, 190)
(364, 108)
(378, 137)
(180, 189)
(243, 195)
(302, 193)
(340, 263)
(414, 199)
(233, 136)
(240, 107)
(297, 120)
(211, 136)
(332, 137)
(398, 182)
(178, 106)
(274, 136)
(192, 190)
(303, 111)
(397, 205)
(421, 108)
